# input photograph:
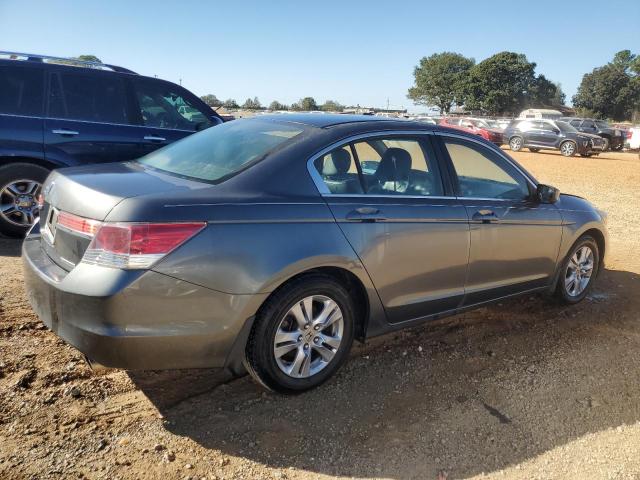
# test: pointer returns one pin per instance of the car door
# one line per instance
(21, 109)
(168, 112)
(89, 119)
(548, 134)
(387, 195)
(514, 240)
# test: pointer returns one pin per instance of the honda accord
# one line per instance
(263, 244)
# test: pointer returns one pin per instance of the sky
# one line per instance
(354, 52)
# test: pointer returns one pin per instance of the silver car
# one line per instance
(272, 243)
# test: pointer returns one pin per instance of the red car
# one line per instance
(478, 126)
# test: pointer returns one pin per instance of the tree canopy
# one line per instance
(88, 58)
(331, 106)
(506, 83)
(211, 100)
(252, 104)
(276, 105)
(439, 80)
(230, 103)
(305, 104)
(613, 90)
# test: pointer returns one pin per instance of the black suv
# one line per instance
(614, 137)
(57, 112)
(537, 134)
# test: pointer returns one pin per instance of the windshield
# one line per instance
(219, 152)
(565, 127)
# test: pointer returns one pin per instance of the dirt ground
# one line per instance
(523, 389)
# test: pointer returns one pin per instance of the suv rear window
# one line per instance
(218, 153)
(21, 90)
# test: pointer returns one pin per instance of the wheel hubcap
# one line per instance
(515, 143)
(567, 148)
(579, 271)
(18, 204)
(308, 336)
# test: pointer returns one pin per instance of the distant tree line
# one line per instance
(507, 83)
(305, 104)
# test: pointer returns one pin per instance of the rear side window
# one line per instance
(339, 172)
(93, 98)
(218, 153)
(163, 106)
(21, 91)
(387, 167)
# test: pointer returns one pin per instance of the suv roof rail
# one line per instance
(74, 62)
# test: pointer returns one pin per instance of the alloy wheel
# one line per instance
(18, 202)
(308, 336)
(568, 149)
(515, 144)
(579, 271)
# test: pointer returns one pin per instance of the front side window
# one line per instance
(218, 153)
(93, 98)
(21, 90)
(165, 107)
(483, 174)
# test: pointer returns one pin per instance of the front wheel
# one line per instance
(515, 144)
(578, 270)
(568, 149)
(301, 335)
(20, 185)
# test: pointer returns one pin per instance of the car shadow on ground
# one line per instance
(10, 247)
(475, 393)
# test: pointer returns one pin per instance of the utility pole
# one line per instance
(180, 82)
(387, 104)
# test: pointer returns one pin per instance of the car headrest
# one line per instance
(336, 163)
(395, 165)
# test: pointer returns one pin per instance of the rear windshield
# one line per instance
(565, 127)
(219, 152)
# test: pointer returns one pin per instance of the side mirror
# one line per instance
(547, 194)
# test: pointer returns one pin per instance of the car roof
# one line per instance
(330, 119)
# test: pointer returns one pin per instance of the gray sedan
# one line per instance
(271, 244)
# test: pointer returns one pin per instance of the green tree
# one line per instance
(545, 93)
(613, 90)
(230, 103)
(504, 83)
(211, 100)
(307, 104)
(331, 106)
(439, 80)
(276, 105)
(88, 58)
(252, 104)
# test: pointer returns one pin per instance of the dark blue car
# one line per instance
(63, 112)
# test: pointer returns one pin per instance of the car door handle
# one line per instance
(485, 216)
(64, 131)
(366, 214)
(154, 138)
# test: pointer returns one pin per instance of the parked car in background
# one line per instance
(477, 127)
(262, 242)
(551, 134)
(541, 113)
(633, 140)
(59, 112)
(614, 137)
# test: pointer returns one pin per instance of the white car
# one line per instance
(634, 141)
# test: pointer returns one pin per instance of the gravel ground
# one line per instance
(522, 389)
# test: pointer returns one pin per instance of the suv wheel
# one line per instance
(568, 148)
(578, 270)
(606, 145)
(301, 335)
(20, 185)
(515, 144)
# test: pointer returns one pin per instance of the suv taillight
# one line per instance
(137, 245)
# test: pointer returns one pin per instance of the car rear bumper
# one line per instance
(136, 319)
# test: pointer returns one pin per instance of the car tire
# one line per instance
(20, 184)
(571, 287)
(587, 155)
(534, 150)
(607, 144)
(568, 148)
(515, 144)
(287, 344)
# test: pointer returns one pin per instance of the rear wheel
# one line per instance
(578, 270)
(568, 148)
(301, 335)
(20, 185)
(606, 145)
(515, 144)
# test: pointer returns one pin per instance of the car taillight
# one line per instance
(84, 226)
(137, 245)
